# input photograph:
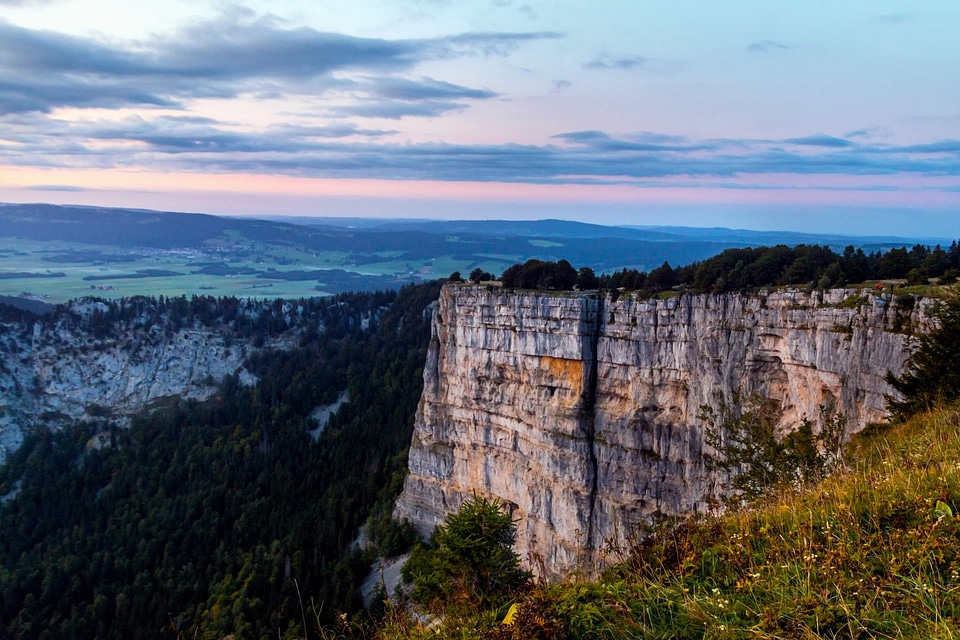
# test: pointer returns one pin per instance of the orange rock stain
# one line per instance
(570, 371)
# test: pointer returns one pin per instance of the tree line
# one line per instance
(744, 269)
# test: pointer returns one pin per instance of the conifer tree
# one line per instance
(472, 560)
(932, 373)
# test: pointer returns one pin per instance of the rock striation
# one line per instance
(59, 369)
(579, 412)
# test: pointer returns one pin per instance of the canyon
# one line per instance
(579, 411)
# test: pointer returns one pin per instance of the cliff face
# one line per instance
(54, 371)
(581, 413)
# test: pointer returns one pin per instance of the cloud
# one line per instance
(820, 140)
(55, 187)
(341, 130)
(396, 110)
(583, 137)
(232, 56)
(605, 61)
(395, 88)
(560, 85)
(138, 141)
(177, 135)
(609, 161)
(486, 43)
(870, 133)
(25, 3)
(46, 94)
(395, 98)
(345, 150)
(644, 141)
(766, 46)
(172, 137)
(941, 146)
(657, 138)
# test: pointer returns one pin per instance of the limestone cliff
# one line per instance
(580, 412)
(58, 369)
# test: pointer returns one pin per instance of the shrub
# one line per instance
(470, 559)
(478, 275)
(537, 274)
(931, 374)
(758, 459)
(916, 277)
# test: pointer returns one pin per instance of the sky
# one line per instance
(808, 115)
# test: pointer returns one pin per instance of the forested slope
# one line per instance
(206, 519)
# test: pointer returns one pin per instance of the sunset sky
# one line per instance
(811, 115)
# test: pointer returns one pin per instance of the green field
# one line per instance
(110, 278)
(54, 253)
(230, 265)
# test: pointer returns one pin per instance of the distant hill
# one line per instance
(656, 233)
(120, 252)
(112, 227)
(533, 228)
(611, 247)
(766, 238)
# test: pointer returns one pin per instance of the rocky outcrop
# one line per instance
(580, 411)
(57, 370)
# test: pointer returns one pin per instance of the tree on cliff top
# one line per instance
(470, 559)
(932, 374)
(537, 274)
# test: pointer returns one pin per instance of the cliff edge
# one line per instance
(579, 411)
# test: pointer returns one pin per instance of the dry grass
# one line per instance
(873, 552)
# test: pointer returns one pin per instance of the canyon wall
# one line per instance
(56, 370)
(579, 412)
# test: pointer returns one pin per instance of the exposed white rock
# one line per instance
(385, 574)
(320, 416)
(580, 413)
(53, 372)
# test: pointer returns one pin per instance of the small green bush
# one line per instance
(470, 559)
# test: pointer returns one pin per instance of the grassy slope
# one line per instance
(868, 553)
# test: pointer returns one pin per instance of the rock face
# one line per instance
(580, 412)
(57, 370)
